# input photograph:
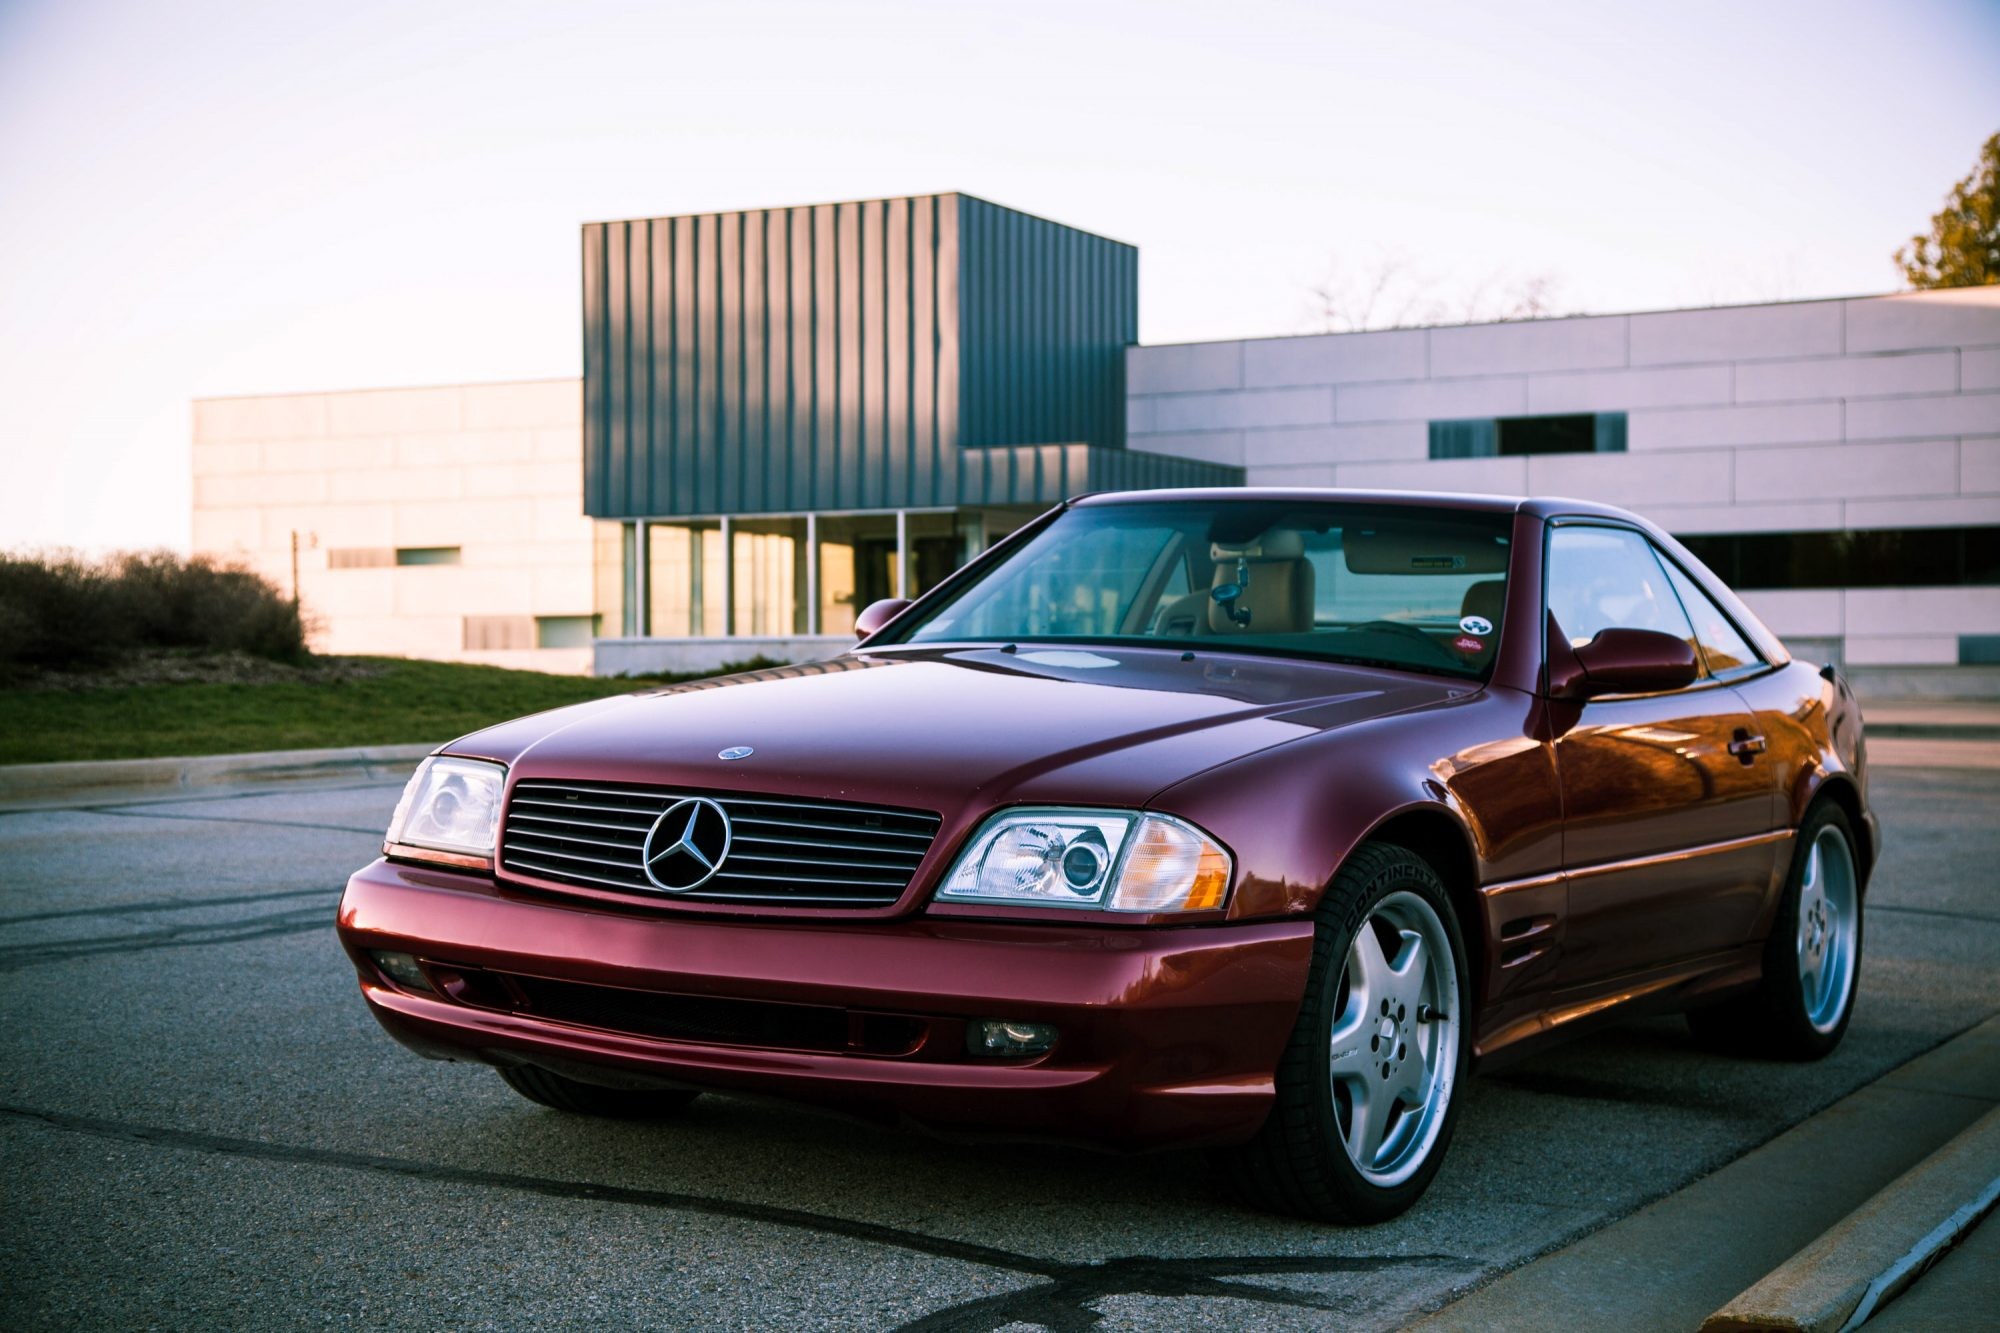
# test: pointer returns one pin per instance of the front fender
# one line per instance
(1295, 812)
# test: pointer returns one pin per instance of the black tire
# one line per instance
(567, 1094)
(1297, 1164)
(1771, 1021)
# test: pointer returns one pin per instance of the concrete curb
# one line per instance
(30, 782)
(1689, 1253)
(1842, 1278)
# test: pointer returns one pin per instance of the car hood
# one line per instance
(942, 729)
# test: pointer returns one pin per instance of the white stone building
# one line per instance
(1838, 461)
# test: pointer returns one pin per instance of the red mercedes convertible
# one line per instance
(1255, 819)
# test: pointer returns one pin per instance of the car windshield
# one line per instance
(1414, 589)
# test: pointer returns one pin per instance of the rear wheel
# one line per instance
(1812, 961)
(1366, 1088)
(567, 1094)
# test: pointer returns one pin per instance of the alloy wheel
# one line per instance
(1829, 910)
(1393, 1055)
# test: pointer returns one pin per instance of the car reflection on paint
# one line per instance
(1248, 819)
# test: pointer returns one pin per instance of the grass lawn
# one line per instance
(397, 701)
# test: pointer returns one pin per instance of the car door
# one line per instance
(1667, 801)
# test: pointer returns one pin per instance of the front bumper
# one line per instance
(1168, 1036)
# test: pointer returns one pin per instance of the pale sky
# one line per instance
(243, 196)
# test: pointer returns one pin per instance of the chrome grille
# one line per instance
(784, 851)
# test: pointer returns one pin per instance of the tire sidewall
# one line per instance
(1346, 907)
(1781, 959)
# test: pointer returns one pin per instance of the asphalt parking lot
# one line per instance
(200, 1125)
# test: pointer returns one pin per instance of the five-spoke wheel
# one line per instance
(1828, 917)
(1365, 1090)
(1394, 1045)
(1802, 1003)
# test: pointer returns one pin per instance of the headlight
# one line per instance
(1117, 860)
(449, 813)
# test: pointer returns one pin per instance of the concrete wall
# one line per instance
(1867, 413)
(492, 469)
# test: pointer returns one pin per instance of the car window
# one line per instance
(1721, 646)
(1087, 587)
(1385, 585)
(1609, 578)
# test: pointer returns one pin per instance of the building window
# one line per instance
(565, 631)
(427, 555)
(497, 633)
(1866, 558)
(768, 579)
(1979, 650)
(360, 557)
(857, 565)
(1513, 437)
(686, 580)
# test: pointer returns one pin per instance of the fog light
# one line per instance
(402, 969)
(1004, 1037)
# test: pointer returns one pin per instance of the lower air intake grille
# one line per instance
(782, 851)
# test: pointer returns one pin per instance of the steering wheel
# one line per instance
(1437, 651)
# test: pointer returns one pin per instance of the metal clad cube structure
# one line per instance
(935, 351)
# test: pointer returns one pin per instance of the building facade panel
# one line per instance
(1744, 333)
(1839, 471)
(1936, 414)
(1835, 377)
(1395, 354)
(1979, 368)
(1979, 465)
(405, 533)
(1243, 408)
(1705, 427)
(1588, 343)
(1186, 368)
(1378, 441)
(1431, 400)
(1680, 476)
(1964, 317)
(1621, 390)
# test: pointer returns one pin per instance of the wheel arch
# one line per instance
(1841, 789)
(1435, 835)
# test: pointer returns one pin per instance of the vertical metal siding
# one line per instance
(909, 352)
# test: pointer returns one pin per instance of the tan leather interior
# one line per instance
(1486, 598)
(1184, 615)
(1279, 586)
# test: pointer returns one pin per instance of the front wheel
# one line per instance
(1366, 1087)
(1812, 962)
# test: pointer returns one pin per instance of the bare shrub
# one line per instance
(60, 611)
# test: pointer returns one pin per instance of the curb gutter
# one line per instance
(30, 782)
(1674, 1261)
(1854, 1268)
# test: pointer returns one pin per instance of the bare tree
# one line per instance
(1393, 293)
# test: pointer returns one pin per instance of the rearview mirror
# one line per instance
(1631, 661)
(879, 614)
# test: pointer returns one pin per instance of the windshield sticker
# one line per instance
(1465, 643)
(1475, 624)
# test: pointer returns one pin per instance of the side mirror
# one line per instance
(1630, 661)
(879, 614)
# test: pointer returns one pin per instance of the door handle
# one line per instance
(1746, 747)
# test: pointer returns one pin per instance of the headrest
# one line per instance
(1279, 598)
(1487, 598)
(1277, 544)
